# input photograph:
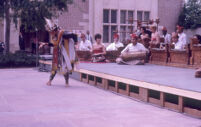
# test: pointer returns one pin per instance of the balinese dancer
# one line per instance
(64, 56)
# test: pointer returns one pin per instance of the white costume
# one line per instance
(135, 48)
(114, 46)
(182, 38)
(88, 37)
(179, 45)
(167, 38)
(85, 46)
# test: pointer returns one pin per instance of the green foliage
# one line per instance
(18, 59)
(32, 13)
(190, 16)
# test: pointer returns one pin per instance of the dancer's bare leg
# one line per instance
(53, 73)
(66, 76)
(49, 83)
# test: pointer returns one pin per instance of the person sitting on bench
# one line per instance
(155, 37)
(85, 45)
(182, 35)
(98, 50)
(196, 39)
(115, 45)
(178, 45)
(134, 53)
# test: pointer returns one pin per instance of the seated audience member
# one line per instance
(144, 37)
(138, 31)
(85, 45)
(144, 33)
(134, 53)
(89, 37)
(197, 39)
(155, 38)
(179, 45)
(166, 36)
(115, 45)
(181, 34)
(98, 50)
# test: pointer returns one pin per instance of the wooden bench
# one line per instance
(159, 56)
(179, 58)
(196, 55)
(195, 49)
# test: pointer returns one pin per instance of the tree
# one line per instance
(190, 16)
(30, 13)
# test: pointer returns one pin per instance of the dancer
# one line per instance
(63, 51)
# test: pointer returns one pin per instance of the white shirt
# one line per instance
(135, 48)
(179, 45)
(183, 38)
(88, 37)
(85, 46)
(114, 46)
(167, 38)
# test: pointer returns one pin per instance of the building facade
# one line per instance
(107, 16)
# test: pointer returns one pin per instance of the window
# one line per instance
(146, 16)
(139, 15)
(113, 16)
(117, 20)
(105, 33)
(105, 16)
(130, 16)
(123, 33)
(113, 31)
(130, 29)
(123, 17)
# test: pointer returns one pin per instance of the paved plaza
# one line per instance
(25, 101)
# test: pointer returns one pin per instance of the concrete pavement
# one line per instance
(25, 101)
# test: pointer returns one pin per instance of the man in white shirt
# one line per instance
(134, 53)
(166, 36)
(179, 45)
(115, 45)
(85, 45)
(182, 35)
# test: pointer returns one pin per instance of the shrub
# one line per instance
(18, 59)
(190, 16)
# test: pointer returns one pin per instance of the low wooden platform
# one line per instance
(170, 87)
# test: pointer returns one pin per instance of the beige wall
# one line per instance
(169, 11)
(77, 17)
